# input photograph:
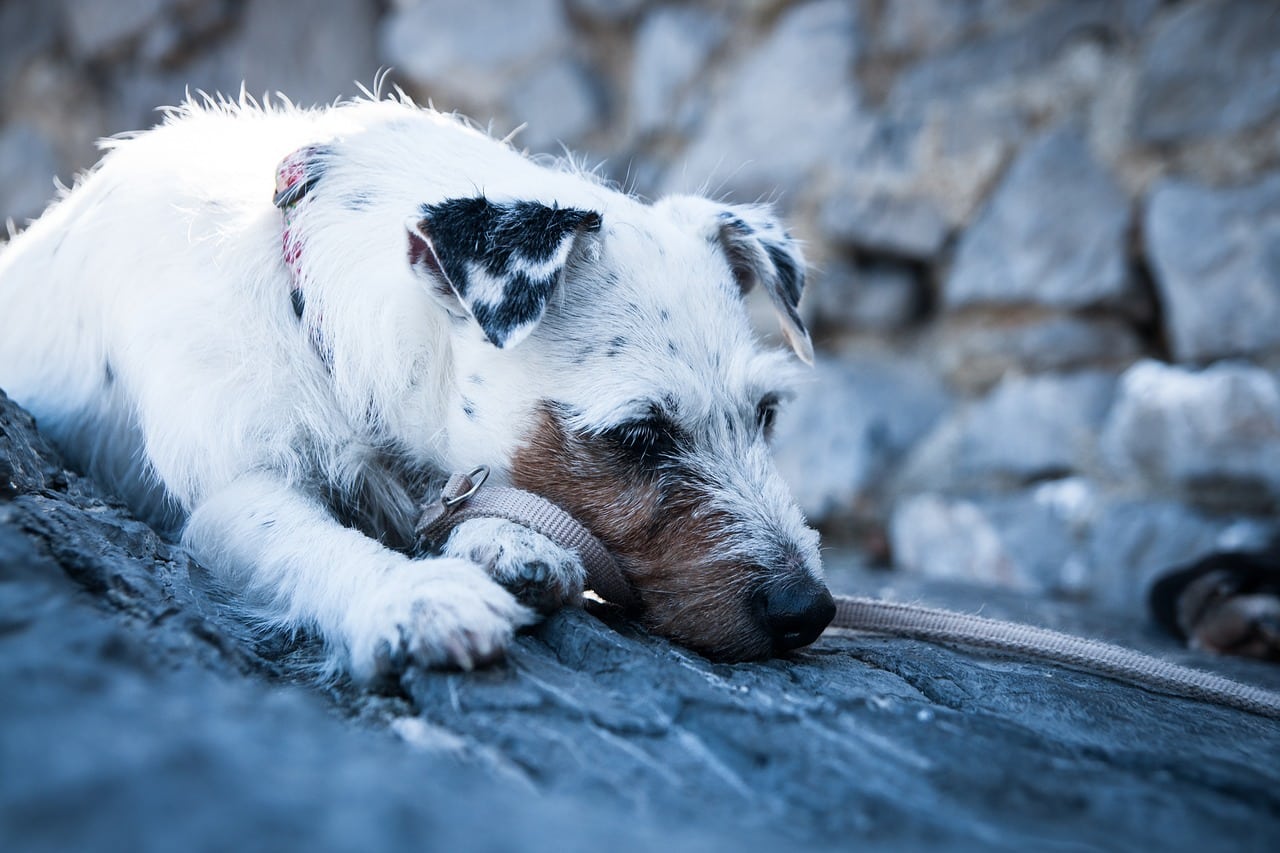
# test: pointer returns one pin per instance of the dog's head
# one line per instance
(604, 359)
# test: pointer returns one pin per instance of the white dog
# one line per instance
(276, 330)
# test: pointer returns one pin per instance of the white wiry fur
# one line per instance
(148, 327)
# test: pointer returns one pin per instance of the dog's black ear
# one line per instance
(761, 252)
(500, 260)
(758, 250)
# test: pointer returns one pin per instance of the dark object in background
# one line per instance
(1228, 603)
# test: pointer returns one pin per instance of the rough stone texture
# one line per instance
(97, 27)
(558, 102)
(465, 51)
(1211, 436)
(838, 441)
(1186, 90)
(1026, 429)
(1216, 259)
(140, 716)
(975, 350)
(802, 74)
(313, 57)
(28, 165)
(1053, 234)
(673, 45)
(1132, 148)
(884, 296)
(1066, 537)
(1017, 47)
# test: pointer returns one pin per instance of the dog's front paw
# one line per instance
(540, 573)
(434, 613)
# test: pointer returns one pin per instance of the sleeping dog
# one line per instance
(274, 331)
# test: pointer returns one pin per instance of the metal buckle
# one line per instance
(476, 478)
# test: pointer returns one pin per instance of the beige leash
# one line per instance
(463, 499)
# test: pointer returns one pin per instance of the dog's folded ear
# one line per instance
(759, 251)
(500, 261)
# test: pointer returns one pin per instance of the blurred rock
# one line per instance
(1212, 436)
(312, 58)
(1064, 537)
(1026, 429)
(98, 27)
(468, 52)
(1011, 542)
(1209, 68)
(926, 26)
(26, 30)
(974, 350)
(784, 110)
(1053, 234)
(879, 296)
(560, 103)
(840, 438)
(1018, 45)
(28, 165)
(608, 11)
(1216, 262)
(1134, 540)
(902, 183)
(884, 222)
(673, 45)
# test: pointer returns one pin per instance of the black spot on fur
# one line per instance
(357, 202)
(299, 303)
(475, 379)
(468, 409)
(664, 315)
(617, 345)
(502, 239)
(108, 375)
(672, 348)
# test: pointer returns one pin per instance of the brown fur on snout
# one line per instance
(659, 526)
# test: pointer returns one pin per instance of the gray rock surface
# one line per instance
(28, 165)
(1053, 234)
(1188, 91)
(673, 45)
(884, 296)
(1211, 436)
(559, 103)
(1026, 429)
(139, 715)
(465, 51)
(975, 349)
(782, 109)
(1216, 261)
(1066, 537)
(837, 442)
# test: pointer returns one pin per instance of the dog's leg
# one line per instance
(540, 573)
(302, 569)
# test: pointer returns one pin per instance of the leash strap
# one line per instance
(946, 626)
(464, 499)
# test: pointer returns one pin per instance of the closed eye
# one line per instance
(767, 413)
(645, 441)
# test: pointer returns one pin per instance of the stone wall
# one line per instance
(1046, 235)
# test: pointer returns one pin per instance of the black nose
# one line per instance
(796, 612)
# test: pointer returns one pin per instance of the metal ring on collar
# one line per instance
(477, 477)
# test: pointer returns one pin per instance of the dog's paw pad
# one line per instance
(537, 571)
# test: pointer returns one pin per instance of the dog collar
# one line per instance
(465, 497)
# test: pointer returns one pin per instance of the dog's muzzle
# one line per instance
(465, 497)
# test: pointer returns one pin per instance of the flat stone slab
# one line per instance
(138, 715)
